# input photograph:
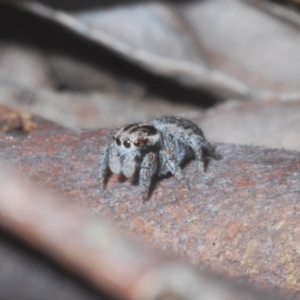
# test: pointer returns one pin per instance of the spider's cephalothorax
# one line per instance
(158, 147)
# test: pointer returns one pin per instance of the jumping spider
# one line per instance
(158, 147)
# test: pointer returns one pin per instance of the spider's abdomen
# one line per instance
(177, 126)
(177, 135)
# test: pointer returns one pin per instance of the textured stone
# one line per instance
(60, 252)
(241, 219)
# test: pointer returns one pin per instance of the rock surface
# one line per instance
(240, 220)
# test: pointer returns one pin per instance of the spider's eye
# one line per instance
(145, 131)
(117, 141)
(141, 141)
(126, 144)
(148, 130)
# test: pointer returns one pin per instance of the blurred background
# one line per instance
(71, 71)
(231, 66)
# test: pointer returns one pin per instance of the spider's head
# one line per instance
(137, 137)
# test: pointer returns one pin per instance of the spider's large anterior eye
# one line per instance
(126, 144)
(117, 141)
(136, 143)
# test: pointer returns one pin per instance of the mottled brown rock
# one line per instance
(240, 220)
(72, 242)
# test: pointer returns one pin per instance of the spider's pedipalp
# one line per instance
(114, 161)
(129, 165)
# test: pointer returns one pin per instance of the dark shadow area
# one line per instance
(29, 275)
(27, 28)
(293, 4)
